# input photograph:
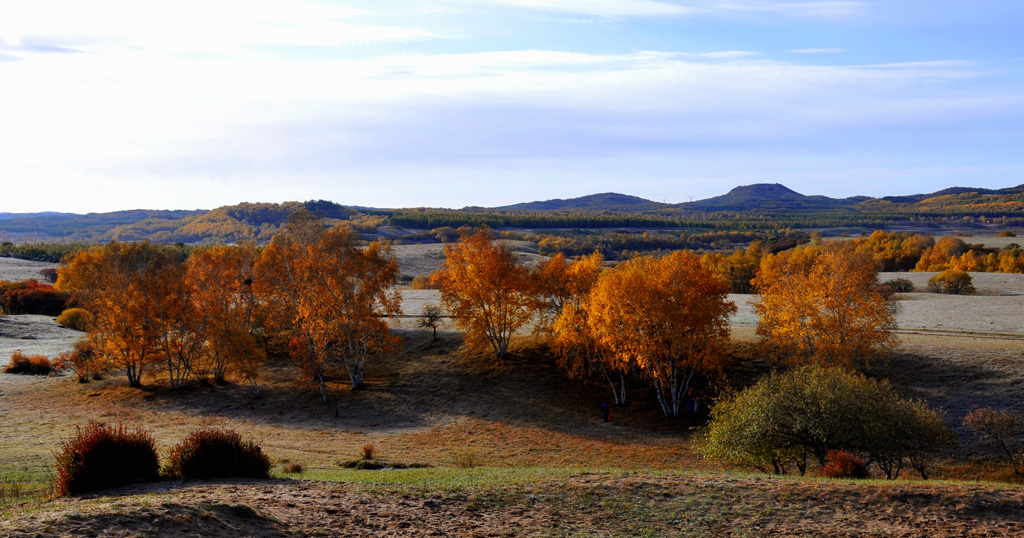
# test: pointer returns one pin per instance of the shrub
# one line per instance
(28, 364)
(467, 459)
(31, 297)
(1003, 429)
(842, 464)
(213, 453)
(785, 419)
(78, 319)
(100, 457)
(900, 285)
(293, 468)
(85, 361)
(1007, 233)
(49, 273)
(369, 451)
(953, 282)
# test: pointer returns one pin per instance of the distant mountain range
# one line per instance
(759, 205)
(767, 197)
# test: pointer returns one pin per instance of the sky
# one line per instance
(195, 104)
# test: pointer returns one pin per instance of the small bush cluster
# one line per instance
(899, 285)
(78, 319)
(31, 297)
(843, 464)
(29, 364)
(212, 453)
(100, 457)
(369, 451)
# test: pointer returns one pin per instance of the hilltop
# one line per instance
(759, 206)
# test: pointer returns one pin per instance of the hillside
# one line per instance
(760, 206)
(608, 201)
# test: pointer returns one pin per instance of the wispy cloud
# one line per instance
(815, 51)
(598, 8)
(836, 9)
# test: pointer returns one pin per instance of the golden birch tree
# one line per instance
(669, 316)
(334, 293)
(486, 290)
(120, 284)
(823, 307)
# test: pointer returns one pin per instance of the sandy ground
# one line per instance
(13, 269)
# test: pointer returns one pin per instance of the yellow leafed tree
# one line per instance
(486, 290)
(823, 307)
(669, 316)
(122, 285)
(221, 279)
(333, 292)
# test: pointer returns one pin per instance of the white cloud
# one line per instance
(837, 9)
(815, 51)
(597, 8)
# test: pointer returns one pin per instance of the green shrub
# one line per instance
(900, 285)
(100, 457)
(789, 418)
(28, 364)
(953, 282)
(213, 453)
(78, 319)
(842, 464)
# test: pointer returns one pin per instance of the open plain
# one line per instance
(511, 448)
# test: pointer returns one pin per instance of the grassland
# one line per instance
(514, 449)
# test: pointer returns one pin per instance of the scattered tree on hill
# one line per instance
(430, 318)
(788, 419)
(823, 306)
(952, 282)
(669, 316)
(486, 290)
(333, 293)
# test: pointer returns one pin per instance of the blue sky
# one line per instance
(109, 105)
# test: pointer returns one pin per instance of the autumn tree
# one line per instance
(121, 285)
(333, 293)
(574, 342)
(952, 282)
(221, 280)
(430, 318)
(822, 305)
(669, 316)
(486, 290)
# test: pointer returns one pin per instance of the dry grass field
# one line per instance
(513, 449)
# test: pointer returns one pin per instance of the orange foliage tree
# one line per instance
(333, 293)
(122, 285)
(486, 290)
(578, 351)
(221, 280)
(669, 316)
(821, 305)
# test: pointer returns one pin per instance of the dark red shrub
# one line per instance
(28, 364)
(842, 464)
(214, 453)
(100, 457)
(31, 297)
